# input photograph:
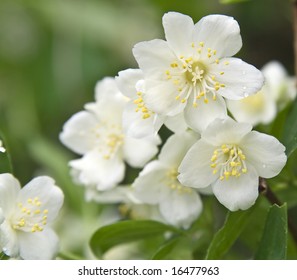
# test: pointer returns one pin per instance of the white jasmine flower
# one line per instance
(26, 216)
(158, 185)
(97, 134)
(231, 158)
(193, 68)
(138, 120)
(278, 90)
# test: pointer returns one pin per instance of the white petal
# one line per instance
(177, 123)
(137, 152)
(176, 147)
(77, 132)
(50, 196)
(224, 131)
(135, 126)
(9, 188)
(181, 209)
(254, 109)
(39, 245)
(265, 153)
(160, 98)
(178, 32)
(238, 193)
(150, 186)
(220, 33)
(126, 81)
(106, 88)
(9, 243)
(198, 118)
(240, 78)
(195, 170)
(94, 170)
(153, 58)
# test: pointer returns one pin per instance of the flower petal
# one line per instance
(126, 81)
(50, 196)
(224, 131)
(153, 58)
(8, 240)
(137, 152)
(220, 33)
(195, 170)
(39, 245)
(238, 193)
(181, 208)
(254, 109)
(198, 118)
(9, 188)
(135, 126)
(177, 123)
(240, 79)
(160, 98)
(77, 132)
(176, 147)
(265, 153)
(178, 32)
(94, 170)
(150, 186)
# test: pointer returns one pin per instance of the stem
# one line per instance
(272, 198)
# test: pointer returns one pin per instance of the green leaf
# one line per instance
(126, 231)
(290, 131)
(166, 249)
(232, 1)
(273, 245)
(228, 234)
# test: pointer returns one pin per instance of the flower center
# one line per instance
(141, 106)
(108, 138)
(254, 103)
(174, 184)
(192, 75)
(30, 216)
(229, 160)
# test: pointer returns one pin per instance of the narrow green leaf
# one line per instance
(232, 1)
(126, 231)
(228, 234)
(273, 245)
(290, 131)
(166, 249)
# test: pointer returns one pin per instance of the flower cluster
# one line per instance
(186, 82)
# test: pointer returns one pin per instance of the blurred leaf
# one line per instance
(166, 249)
(5, 160)
(290, 131)
(55, 159)
(126, 231)
(273, 245)
(232, 1)
(228, 234)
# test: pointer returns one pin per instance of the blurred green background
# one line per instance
(52, 52)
